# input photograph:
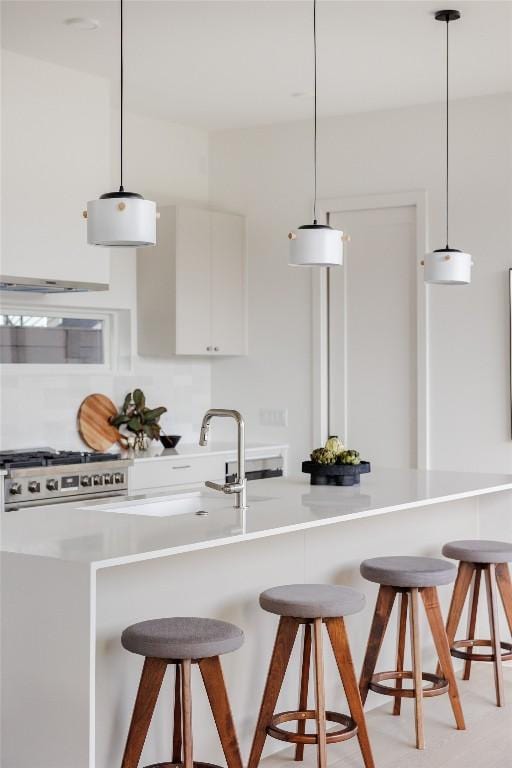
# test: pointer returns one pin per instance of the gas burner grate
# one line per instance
(13, 459)
(66, 457)
(26, 459)
(89, 457)
(20, 463)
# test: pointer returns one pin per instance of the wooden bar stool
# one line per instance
(181, 642)
(311, 605)
(490, 558)
(410, 577)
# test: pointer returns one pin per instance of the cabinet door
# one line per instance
(228, 284)
(55, 126)
(193, 274)
(148, 475)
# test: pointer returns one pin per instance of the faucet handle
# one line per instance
(215, 486)
(226, 487)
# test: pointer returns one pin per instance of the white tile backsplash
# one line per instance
(41, 409)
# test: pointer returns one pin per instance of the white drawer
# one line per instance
(175, 470)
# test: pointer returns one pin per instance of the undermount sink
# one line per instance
(197, 502)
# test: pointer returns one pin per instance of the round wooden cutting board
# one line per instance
(93, 422)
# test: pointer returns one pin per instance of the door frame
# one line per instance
(320, 325)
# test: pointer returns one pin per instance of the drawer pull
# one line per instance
(183, 466)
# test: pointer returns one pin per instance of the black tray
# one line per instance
(335, 474)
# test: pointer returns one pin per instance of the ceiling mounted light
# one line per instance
(447, 266)
(315, 245)
(121, 219)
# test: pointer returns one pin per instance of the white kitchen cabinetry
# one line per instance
(149, 476)
(191, 288)
(56, 156)
(191, 465)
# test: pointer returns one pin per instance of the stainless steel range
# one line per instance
(46, 476)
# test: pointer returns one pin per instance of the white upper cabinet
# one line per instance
(193, 282)
(228, 288)
(192, 287)
(55, 157)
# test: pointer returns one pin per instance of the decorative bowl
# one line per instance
(170, 441)
(335, 474)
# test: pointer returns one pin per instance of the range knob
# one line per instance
(107, 478)
(86, 481)
(97, 480)
(118, 477)
(34, 486)
(15, 489)
(52, 485)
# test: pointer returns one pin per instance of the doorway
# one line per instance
(375, 383)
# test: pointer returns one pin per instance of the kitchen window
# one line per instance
(60, 339)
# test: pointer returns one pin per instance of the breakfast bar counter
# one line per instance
(120, 531)
(74, 576)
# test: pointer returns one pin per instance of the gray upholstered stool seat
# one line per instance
(479, 551)
(178, 642)
(408, 572)
(182, 638)
(312, 601)
(320, 609)
(410, 578)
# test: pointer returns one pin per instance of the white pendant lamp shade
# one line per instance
(121, 220)
(314, 245)
(447, 266)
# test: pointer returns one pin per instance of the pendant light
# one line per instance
(121, 219)
(447, 266)
(315, 245)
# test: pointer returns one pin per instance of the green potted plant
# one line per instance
(135, 417)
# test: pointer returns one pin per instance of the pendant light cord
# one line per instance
(315, 119)
(121, 188)
(447, 132)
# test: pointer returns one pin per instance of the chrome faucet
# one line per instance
(239, 487)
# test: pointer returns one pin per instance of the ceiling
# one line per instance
(222, 64)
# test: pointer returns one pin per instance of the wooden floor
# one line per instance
(487, 742)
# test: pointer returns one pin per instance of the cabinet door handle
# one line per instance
(216, 349)
(182, 466)
(208, 349)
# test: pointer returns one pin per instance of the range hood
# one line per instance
(39, 285)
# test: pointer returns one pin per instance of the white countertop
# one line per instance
(100, 539)
(191, 450)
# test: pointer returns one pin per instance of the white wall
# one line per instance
(266, 173)
(164, 162)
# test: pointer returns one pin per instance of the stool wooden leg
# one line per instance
(304, 684)
(435, 620)
(416, 669)
(473, 610)
(149, 687)
(459, 594)
(383, 608)
(505, 587)
(400, 649)
(186, 693)
(213, 679)
(341, 650)
(176, 732)
(320, 695)
(286, 634)
(492, 606)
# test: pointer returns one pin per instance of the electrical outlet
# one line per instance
(273, 417)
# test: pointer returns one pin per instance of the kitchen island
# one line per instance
(73, 576)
